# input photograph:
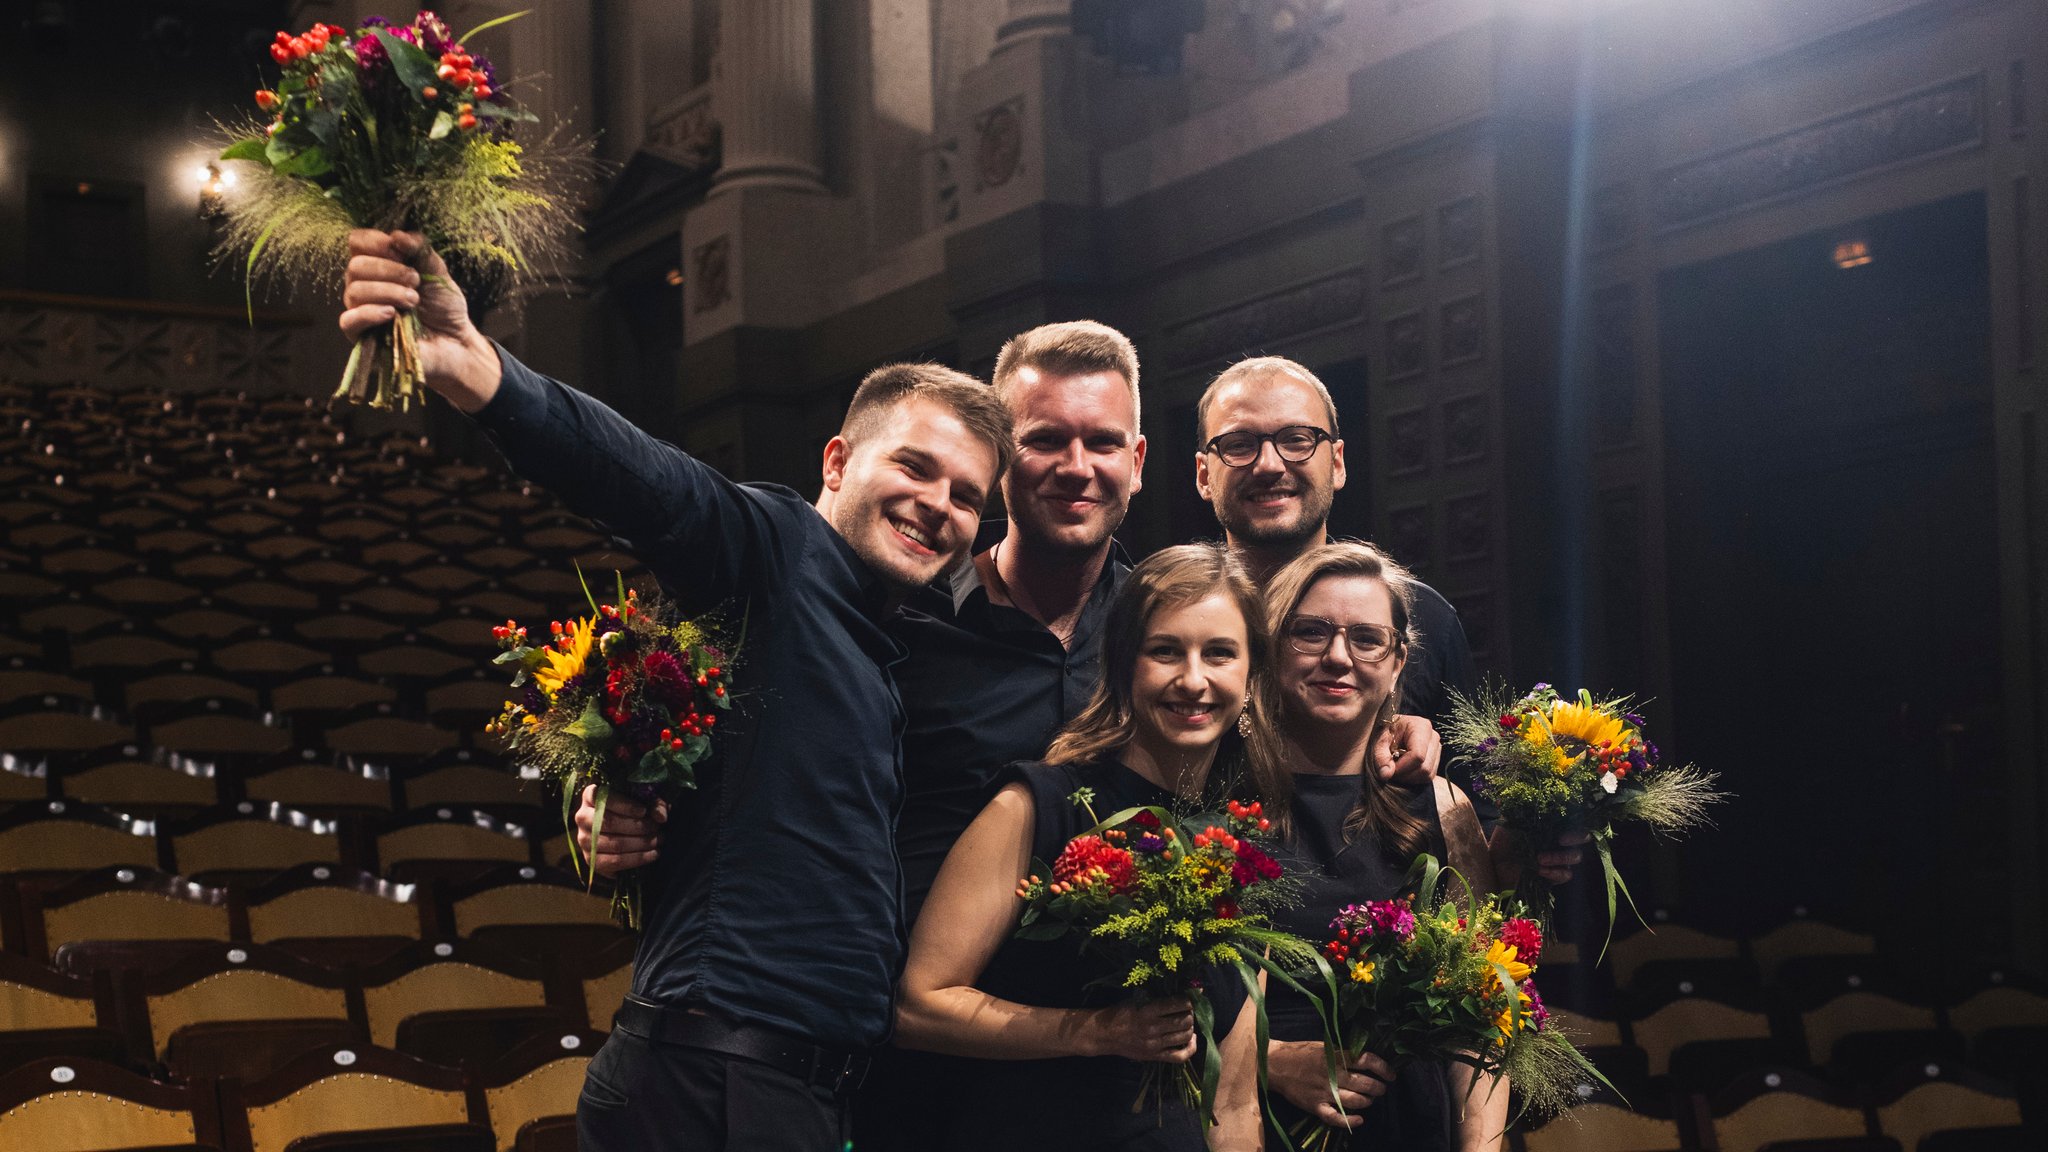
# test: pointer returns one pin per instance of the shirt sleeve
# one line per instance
(1450, 658)
(705, 538)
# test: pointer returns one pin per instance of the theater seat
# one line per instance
(59, 1104)
(348, 1089)
(536, 1084)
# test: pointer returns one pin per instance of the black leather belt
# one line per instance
(839, 1072)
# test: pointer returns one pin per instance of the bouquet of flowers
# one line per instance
(625, 699)
(1435, 978)
(1553, 765)
(1158, 903)
(392, 126)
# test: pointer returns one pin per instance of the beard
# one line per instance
(1309, 520)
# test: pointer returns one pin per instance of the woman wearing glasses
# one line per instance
(1339, 616)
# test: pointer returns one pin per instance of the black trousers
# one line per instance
(640, 1096)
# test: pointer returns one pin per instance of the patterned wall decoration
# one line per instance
(1401, 250)
(999, 143)
(1407, 347)
(1468, 527)
(1458, 232)
(686, 132)
(46, 342)
(711, 272)
(1408, 536)
(1251, 325)
(1614, 364)
(1466, 431)
(1463, 330)
(1948, 116)
(1408, 442)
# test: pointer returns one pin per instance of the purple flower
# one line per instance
(481, 65)
(434, 35)
(1479, 784)
(1488, 744)
(1539, 688)
(1633, 718)
(376, 22)
(1149, 843)
(1537, 1012)
(370, 55)
(1377, 917)
(1650, 751)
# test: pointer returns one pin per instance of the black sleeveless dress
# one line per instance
(1073, 1103)
(1417, 1114)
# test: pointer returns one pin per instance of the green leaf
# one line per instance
(653, 768)
(602, 799)
(306, 163)
(490, 24)
(586, 591)
(249, 272)
(443, 124)
(589, 727)
(414, 67)
(250, 148)
(572, 790)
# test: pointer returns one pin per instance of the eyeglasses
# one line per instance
(1295, 444)
(1369, 643)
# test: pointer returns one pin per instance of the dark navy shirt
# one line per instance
(1440, 664)
(777, 897)
(984, 685)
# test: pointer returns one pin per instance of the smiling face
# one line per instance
(909, 496)
(1189, 681)
(1270, 502)
(1332, 689)
(1079, 457)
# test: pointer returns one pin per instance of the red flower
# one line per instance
(1253, 865)
(667, 679)
(1084, 854)
(1525, 937)
(1226, 909)
(1145, 819)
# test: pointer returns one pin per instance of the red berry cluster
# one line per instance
(313, 41)
(511, 635)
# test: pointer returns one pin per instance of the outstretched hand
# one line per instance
(393, 272)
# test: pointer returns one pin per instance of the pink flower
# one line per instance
(1525, 937)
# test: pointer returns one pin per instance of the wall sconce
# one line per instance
(213, 187)
(1852, 254)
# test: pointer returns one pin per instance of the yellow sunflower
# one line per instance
(1505, 1022)
(1503, 955)
(1589, 726)
(559, 666)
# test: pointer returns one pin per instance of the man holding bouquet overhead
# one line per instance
(773, 926)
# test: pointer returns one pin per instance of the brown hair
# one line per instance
(1255, 367)
(1382, 807)
(1069, 348)
(892, 385)
(1166, 579)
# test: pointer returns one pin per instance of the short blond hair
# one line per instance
(1255, 367)
(1069, 348)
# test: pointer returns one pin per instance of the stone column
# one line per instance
(766, 95)
(1030, 19)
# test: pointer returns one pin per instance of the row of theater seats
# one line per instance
(262, 881)
(1806, 1031)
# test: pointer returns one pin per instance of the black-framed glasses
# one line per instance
(1295, 444)
(1369, 643)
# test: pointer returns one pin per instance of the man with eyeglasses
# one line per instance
(1271, 464)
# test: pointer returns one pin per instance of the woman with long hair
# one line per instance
(1060, 1065)
(1339, 617)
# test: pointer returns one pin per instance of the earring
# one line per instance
(1244, 722)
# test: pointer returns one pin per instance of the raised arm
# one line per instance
(972, 909)
(700, 533)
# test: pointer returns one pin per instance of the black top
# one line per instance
(1417, 1112)
(789, 840)
(1442, 663)
(1074, 1101)
(983, 685)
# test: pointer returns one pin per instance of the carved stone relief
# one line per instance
(1468, 527)
(711, 272)
(1408, 535)
(999, 143)
(1244, 328)
(1407, 355)
(1401, 250)
(1466, 434)
(1458, 232)
(1464, 330)
(1408, 442)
